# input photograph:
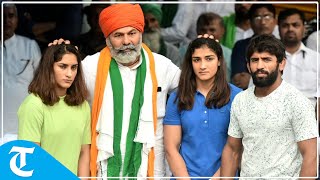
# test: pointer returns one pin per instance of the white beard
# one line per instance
(152, 40)
(125, 57)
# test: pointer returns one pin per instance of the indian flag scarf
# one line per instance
(107, 112)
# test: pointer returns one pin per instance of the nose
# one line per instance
(290, 28)
(69, 72)
(202, 65)
(126, 40)
(260, 65)
(263, 21)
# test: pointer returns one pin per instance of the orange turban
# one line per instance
(121, 15)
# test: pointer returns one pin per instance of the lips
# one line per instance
(261, 74)
(203, 72)
(67, 81)
(126, 50)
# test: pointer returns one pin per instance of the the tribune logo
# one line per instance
(22, 151)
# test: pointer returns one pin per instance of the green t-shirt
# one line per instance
(60, 129)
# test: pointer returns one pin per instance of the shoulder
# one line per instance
(158, 58)
(241, 43)
(163, 64)
(90, 63)
(173, 95)
(243, 95)
(310, 52)
(172, 99)
(234, 91)
(85, 105)
(295, 99)
(33, 101)
(292, 93)
(25, 39)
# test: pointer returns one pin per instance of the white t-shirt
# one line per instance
(270, 128)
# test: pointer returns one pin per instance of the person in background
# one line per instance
(301, 66)
(198, 113)
(152, 36)
(237, 25)
(55, 115)
(272, 127)
(21, 57)
(93, 41)
(182, 30)
(263, 21)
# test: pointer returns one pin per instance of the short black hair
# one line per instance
(266, 43)
(206, 18)
(253, 9)
(289, 12)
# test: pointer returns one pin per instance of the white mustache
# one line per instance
(131, 46)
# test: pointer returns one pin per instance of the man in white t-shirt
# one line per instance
(272, 127)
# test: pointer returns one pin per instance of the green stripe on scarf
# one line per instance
(132, 159)
(115, 162)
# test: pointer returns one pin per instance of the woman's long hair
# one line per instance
(43, 83)
(219, 94)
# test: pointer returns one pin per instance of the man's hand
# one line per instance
(60, 41)
(207, 36)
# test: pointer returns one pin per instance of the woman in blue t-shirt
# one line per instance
(198, 113)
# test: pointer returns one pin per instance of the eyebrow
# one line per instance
(267, 14)
(263, 58)
(204, 56)
(68, 64)
(120, 33)
(266, 58)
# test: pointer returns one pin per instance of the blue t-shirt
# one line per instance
(204, 133)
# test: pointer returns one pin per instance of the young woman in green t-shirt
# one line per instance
(55, 114)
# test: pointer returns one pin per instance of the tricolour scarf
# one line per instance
(106, 130)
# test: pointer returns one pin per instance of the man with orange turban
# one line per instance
(128, 86)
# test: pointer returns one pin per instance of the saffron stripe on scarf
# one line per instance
(101, 78)
(151, 156)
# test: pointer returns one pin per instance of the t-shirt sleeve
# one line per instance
(30, 118)
(172, 116)
(87, 129)
(303, 122)
(234, 126)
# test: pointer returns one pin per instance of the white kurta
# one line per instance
(21, 57)
(167, 76)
